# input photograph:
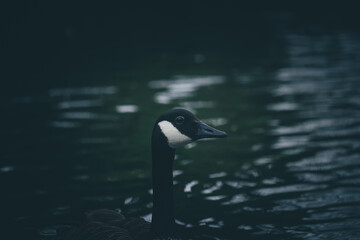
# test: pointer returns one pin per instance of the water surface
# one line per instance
(289, 169)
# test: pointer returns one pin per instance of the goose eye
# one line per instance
(179, 120)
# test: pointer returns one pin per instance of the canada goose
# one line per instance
(173, 129)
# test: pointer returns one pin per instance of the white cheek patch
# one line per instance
(174, 137)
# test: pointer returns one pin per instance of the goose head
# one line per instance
(180, 127)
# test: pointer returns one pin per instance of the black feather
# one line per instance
(109, 225)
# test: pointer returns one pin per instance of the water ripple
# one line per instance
(182, 87)
(212, 188)
(82, 91)
(287, 189)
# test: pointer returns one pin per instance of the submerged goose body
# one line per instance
(173, 129)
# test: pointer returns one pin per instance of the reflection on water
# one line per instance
(182, 87)
(189, 185)
(65, 124)
(288, 170)
(79, 115)
(127, 108)
(79, 104)
(197, 104)
(215, 121)
(7, 169)
(82, 91)
(287, 189)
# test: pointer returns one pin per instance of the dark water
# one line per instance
(289, 169)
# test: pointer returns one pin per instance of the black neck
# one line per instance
(163, 221)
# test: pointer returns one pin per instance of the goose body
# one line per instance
(173, 129)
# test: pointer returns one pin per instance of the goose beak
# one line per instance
(205, 131)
